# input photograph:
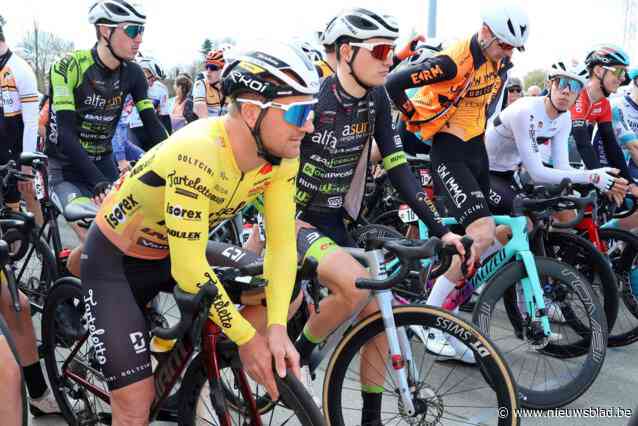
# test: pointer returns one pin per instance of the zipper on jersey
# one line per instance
(232, 197)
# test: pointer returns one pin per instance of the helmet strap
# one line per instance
(606, 92)
(353, 74)
(259, 143)
(549, 96)
(108, 46)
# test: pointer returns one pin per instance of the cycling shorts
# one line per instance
(502, 192)
(71, 188)
(117, 290)
(327, 235)
(461, 177)
(412, 144)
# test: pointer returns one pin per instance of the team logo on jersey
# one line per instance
(119, 212)
(182, 213)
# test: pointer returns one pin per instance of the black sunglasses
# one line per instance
(514, 89)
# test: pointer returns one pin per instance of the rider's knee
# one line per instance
(10, 375)
(482, 231)
(133, 405)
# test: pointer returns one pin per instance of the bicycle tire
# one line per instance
(492, 364)
(65, 289)
(622, 264)
(292, 394)
(581, 254)
(37, 292)
(7, 335)
(502, 287)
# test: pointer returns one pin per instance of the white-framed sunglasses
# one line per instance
(379, 50)
(131, 30)
(296, 113)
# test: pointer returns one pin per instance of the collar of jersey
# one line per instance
(99, 63)
(345, 99)
(477, 54)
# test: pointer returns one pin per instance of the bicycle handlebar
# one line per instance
(407, 251)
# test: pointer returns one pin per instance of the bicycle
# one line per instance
(406, 394)
(200, 350)
(522, 331)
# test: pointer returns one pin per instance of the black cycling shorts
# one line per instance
(502, 193)
(117, 289)
(461, 176)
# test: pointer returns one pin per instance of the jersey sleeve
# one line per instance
(64, 78)
(434, 70)
(187, 226)
(623, 132)
(199, 91)
(529, 152)
(280, 261)
(27, 87)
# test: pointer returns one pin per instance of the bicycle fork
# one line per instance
(533, 292)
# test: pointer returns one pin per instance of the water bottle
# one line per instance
(458, 296)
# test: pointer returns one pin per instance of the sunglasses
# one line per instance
(617, 72)
(296, 113)
(131, 30)
(213, 67)
(574, 86)
(378, 51)
(514, 89)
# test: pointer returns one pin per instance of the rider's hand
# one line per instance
(124, 166)
(454, 239)
(604, 178)
(284, 352)
(408, 49)
(256, 359)
(100, 191)
(26, 187)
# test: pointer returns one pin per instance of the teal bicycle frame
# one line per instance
(517, 248)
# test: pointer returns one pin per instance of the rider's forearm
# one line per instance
(166, 122)
(613, 152)
(70, 145)
(153, 127)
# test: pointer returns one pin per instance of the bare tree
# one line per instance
(2, 21)
(42, 49)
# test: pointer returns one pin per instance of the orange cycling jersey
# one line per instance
(182, 188)
(456, 89)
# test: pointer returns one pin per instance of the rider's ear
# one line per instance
(250, 113)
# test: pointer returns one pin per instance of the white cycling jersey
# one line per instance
(517, 134)
(158, 94)
(19, 100)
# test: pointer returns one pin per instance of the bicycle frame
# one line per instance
(170, 369)
(516, 248)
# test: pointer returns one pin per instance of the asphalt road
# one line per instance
(614, 390)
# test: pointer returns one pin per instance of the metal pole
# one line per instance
(432, 18)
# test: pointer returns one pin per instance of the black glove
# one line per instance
(101, 188)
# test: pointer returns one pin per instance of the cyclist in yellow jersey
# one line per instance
(152, 229)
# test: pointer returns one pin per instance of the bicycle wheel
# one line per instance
(226, 232)
(69, 352)
(4, 331)
(295, 406)
(35, 271)
(447, 394)
(581, 254)
(573, 360)
(622, 250)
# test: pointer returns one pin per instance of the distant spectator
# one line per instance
(513, 90)
(533, 90)
(182, 110)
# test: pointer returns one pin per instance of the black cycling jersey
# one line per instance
(86, 102)
(334, 158)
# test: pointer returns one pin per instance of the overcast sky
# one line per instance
(176, 29)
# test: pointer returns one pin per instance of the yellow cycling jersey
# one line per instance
(182, 188)
(323, 69)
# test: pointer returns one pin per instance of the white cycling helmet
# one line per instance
(425, 50)
(360, 24)
(252, 71)
(154, 68)
(312, 52)
(577, 71)
(508, 21)
(116, 12)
